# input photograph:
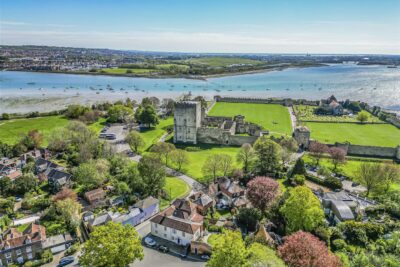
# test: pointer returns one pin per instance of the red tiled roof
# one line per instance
(13, 238)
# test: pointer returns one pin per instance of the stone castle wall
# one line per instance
(370, 151)
(279, 101)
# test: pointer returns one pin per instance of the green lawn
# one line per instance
(98, 125)
(385, 135)
(222, 61)
(11, 131)
(274, 118)
(349, 168)
(198, 157)
(152, 135)
(176, 188)
(306, 113)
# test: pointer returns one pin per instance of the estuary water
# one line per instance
(31, 91)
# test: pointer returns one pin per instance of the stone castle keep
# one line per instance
(192, 126)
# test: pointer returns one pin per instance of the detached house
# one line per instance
(180, 223)
(17, 247)
(58, 179)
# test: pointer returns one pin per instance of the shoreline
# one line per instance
(189, 77)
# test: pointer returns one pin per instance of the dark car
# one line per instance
(163, 249)
(65, 261)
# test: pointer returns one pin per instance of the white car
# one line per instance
(149, 242)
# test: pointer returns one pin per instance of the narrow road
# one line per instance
(292, 118)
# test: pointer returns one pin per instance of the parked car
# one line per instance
(65, 261)
(18, 199)
(205, 257)
(149, 242)
(163, 249)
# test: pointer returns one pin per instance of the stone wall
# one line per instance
(238, 140)
(370, 151)
(279, 101)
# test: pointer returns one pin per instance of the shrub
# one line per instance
(46, 256)
(333, 183)
(5, 116)
(339, 244)
(215, 228)
(299, 179)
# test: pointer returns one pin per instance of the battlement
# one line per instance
(186, 104)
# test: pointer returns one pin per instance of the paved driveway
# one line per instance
(157, 259)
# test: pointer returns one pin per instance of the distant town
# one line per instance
(164, 64)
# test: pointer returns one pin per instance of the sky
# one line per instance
(228, 26)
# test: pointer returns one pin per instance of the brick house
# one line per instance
(95, 195)
(18, 247)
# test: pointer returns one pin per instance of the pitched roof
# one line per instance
(186, 227)
(14, 175)
(59, 176)
(12, 238)
(201, 199)
(145, 203)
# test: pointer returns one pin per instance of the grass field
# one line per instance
(385, 135)
(274, 118)
(349, 168)
(176, 188)
(306, 113)
(152, 135)
(12, 130)
(222, 61)
(200, 155)
(98, 125)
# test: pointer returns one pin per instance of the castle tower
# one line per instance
(187, 119)
(302, 136)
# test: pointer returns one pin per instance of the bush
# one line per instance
(333, 183)
(5, 116)
(339, 244)
(46, 256)
(215, 228)
(72, 249)
(299, 179)
(324, 171)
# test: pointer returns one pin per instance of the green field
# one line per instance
(124, 71)
(152, 135)
(98, 125)
(385, 135)
(200, 155)
(274, 118)
(349, 168)
(12, 130)
(176, 188)
(222, 61)
(306, 113)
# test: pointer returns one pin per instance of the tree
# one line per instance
(123, 189)
(25, 183)
(74, 111)
(92, 174)
(212, 166)
(36, 137)
(65, 193)
(299, 167)
(226, 164)
(362, 116)
(152, 172)
(179, 158)
(302, 210)
(119, 113)
(317, 150)
(169, 105)
(268, 155)
(390, 174)
(249, 217)
(5, 116)
(134, 140)
(369, 174)
(163, 150)
(289, 143)
(112, 245)
(263, 256)
(70, 210)
(262, 192)
(246, 156)
(229, 251)
(303, 249)
(5, 186)
(147, 115)
(299, 179)
(338, 156)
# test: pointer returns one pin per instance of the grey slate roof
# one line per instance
(145, 203)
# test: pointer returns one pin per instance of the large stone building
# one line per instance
(192, 126)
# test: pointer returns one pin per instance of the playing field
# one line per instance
(12, 130)
(222, 61)
(274, 118)
(199, 155)
(385, 135)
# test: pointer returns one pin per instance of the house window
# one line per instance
(28, 249)
(165, 235)
(183, 234)
(156, 231)
(165, 228)
(8, 255)
(30, 256)
(155, 225)
(173, 238)
(174, 231)
(18, 251)
(9, 261)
